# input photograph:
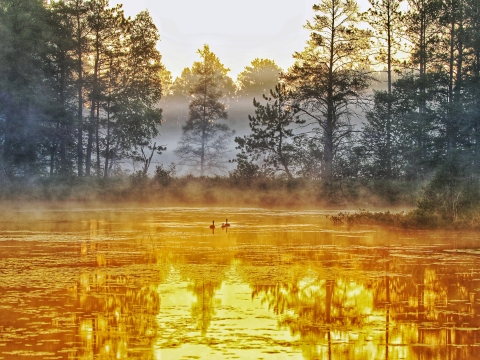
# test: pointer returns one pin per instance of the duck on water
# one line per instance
(226, 224)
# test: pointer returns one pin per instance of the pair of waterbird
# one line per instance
(226, 224)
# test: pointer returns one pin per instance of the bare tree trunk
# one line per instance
(88, 161)
(148, 161)
(450, 142)
(205, 123)
(112, 162)
(459, 77)
(282, 157)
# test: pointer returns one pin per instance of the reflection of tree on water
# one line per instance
(203, 309)
(450, 319)
(117, 312)
(205, 270)
(316, 309)
(413, 300)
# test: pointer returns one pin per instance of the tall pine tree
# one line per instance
(204, 139)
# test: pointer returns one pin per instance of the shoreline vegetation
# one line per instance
(277, 193)
(410, 204)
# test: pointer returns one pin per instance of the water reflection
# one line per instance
(158, 284)
(420, 302)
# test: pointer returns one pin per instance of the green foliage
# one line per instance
(380, 138)
(80, 85)
(271, 137)
(25, 95)
(134, 88)
(57, 60)
(453, 194)
(164, 176)
(246, 171)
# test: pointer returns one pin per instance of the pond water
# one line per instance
(160, 284)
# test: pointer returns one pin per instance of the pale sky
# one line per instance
(237, 31)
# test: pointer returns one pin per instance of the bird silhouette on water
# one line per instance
(225, 225)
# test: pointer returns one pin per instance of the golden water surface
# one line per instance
(160, 284)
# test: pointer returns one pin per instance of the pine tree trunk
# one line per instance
(107, 145)
(53, 150)
(202, 155)
(450, 135)
(63, 128)
(97, 139)
(80, 100)
(389, 81)
(94, 96)
(330, 121)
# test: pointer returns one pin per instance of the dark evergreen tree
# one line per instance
(105, 25)
(271, 138)
(204, 140)
(329, 76)
(25, 94)
(380, 139)
(386, 19)
(76, 12)
(61, 75)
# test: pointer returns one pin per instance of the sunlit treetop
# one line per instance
(258, 78)
(335, 36)
(183, 85)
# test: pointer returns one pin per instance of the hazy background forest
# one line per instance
(380, 108)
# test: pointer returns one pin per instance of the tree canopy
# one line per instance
(258, 78)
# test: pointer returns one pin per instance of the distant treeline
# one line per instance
(80, 86)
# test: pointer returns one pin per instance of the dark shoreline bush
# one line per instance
(417, 219)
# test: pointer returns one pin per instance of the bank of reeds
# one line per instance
(442, 204)
(413, 219)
